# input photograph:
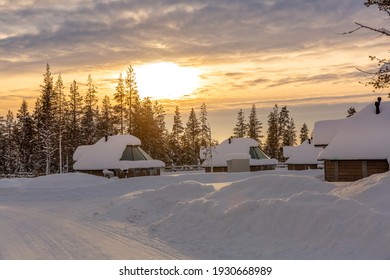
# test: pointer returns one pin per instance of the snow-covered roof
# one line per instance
(224, 151)
(364, 136)
(107, 154)
(306, 153)
(324, 131)
(288, 151)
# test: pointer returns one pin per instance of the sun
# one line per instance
(166, 80)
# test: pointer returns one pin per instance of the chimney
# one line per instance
(377, 104)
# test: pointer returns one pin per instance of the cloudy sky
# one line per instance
(288, 52)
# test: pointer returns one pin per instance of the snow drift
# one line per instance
(264, 217)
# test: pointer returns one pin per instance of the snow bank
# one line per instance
(270, 216)
(149, 206)
(372, 191)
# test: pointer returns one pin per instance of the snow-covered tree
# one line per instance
(74, 110)
(24, 138)
(204, 126)
(45, 118)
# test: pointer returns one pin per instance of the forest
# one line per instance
(43, 142)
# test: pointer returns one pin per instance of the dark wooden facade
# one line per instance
(301, 166)
(252, 168)
(133, 172)
(352, 170)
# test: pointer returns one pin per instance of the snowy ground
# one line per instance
(259, 215)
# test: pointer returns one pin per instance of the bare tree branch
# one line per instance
(383, 31)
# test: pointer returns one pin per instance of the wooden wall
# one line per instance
(352, 170)
(302, 166)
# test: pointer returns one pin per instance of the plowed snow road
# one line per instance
(59, 223)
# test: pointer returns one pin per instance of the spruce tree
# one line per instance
(106, 121)
(90, 114)
(132, 99)
(73, 136)
(44, 115)
(11, 155)
(239, 131)
(177, 127)
(272, 143)
(204, 127)
(192, 138)
(304, 133)
(254, 125)
(25, 138)
(120, 107)
(175, 145)
(60, 119)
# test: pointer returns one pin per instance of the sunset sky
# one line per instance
(226, 53)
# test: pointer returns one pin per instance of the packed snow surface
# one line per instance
(251, 215)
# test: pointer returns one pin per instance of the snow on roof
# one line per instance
(306, 153)
(324, 131)
(364, 135)
(236, 146)
(106, 155)
(288, 151)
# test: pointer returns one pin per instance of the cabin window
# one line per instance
(256, 153)
(134, 153)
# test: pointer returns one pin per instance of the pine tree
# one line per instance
(292, 133)
(204, 127)
(90, 114)
(10, 151)
(44, 115)
(192, 138)
(132, 99)
(120, 107)
(174, 140)
(60, 118)
(2, 145)
(73, 122)
(25, 138)
(177, 128)
(239, 131)
(272, 145)
(304, 133)
(254, 125)
(106, 121)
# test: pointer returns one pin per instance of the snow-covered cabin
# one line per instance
(302, 157)
(119, 155)
(237, 149)
(355, 147)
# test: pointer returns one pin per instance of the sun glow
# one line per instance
(166, 80)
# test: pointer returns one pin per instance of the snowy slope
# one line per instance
(259, 215)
